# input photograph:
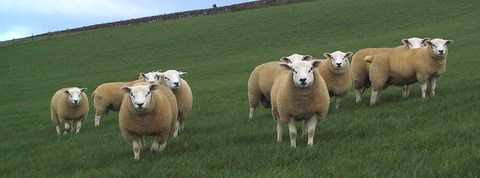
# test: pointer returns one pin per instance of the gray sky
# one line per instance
(21, 18)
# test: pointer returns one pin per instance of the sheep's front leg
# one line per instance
(337, 102)
(433, 84)
(279, 131)
(293, 132)
(58, 129)
(312, 124)
(177, 128)
(406, 90)
(136, 148)
(67, 127)
(424, 86)
(78, 125)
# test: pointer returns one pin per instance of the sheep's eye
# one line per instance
(310, 69)
(294, 71)
(131, 94)
(148, 93)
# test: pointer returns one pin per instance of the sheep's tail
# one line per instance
(368, 59)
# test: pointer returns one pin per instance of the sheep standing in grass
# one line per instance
(299, 93)
(108, 96)
(261, 81)
(336, 72)
(360, 68)
(182, 92)
(404, 67)
(147, 110)
(69, 106)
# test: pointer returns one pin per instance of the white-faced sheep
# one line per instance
(69, 106)
(147, 110)
(108, 96)
(336, 72)
(360, 68)
(404, 67)
(261, 81)
(182, 92)
(299, 93)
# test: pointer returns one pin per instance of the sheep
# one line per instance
(407, 66)
(69, 105)
(182, 92)
(336, 72)
(360, 68)
(261, 80)
(299, 93)
(147, 110)
(108, 96)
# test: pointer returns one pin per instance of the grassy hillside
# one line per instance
(399, 137)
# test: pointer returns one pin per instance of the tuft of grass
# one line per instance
(436, 137)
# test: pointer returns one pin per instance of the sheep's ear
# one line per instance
(315, 63)
(405, 41)
(307, 57)
(285, 59)
(327, 55)
(83, 90)
(160, 74)
(448, 42)
(285, 65)
(126, 89)
(154, 86)
(348, 55)
(428, 42)
(141, 75)
(66, 92)
(424, 41)
(182, 73)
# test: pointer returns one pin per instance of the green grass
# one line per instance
(436, 137)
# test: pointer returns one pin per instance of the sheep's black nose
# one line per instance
(176, 84)
(303, 80)
(339, 64)
(140, 105)
(440, 51)
(75, 101)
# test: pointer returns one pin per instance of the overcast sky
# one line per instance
(21, 18)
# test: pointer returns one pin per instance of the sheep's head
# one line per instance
(439, 47)
(172, 78)
(338, 59)
(75, 95)
(413, 43)
(295, 57)
(140, 95)
(150, 77)
(302, 72)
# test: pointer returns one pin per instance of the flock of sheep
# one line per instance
(157, 104)
(297, 88)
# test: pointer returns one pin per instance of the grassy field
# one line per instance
(436, 137)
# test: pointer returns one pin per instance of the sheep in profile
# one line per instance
(360, 68)
(336, 72)
(69, 106)
(262, 78)
(182, 92)
(147, 110)
(407, 66)
(299, 93)
(108, 96)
